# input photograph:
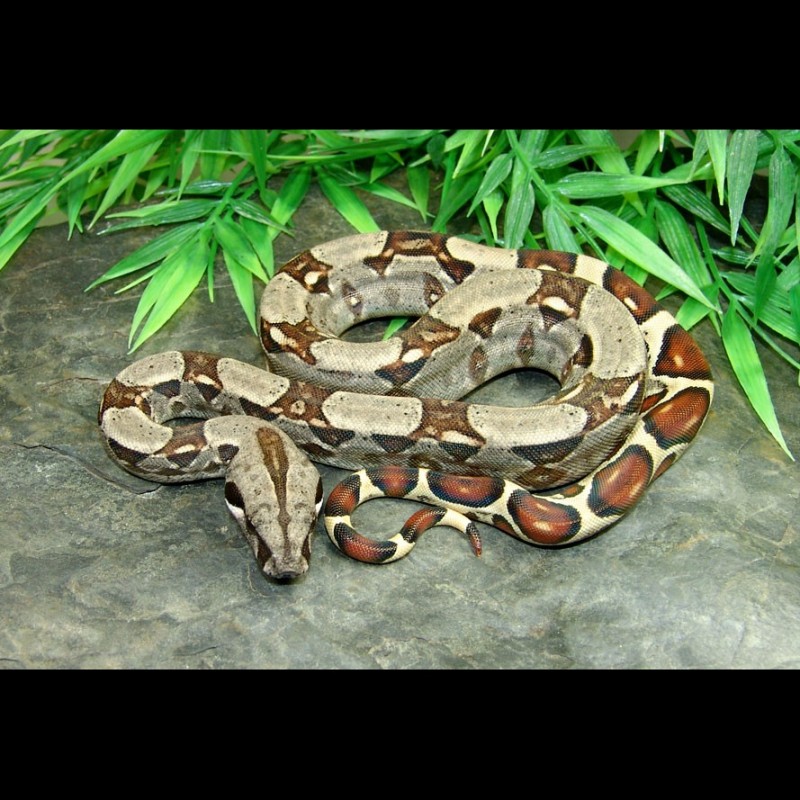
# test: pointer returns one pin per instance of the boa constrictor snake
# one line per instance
(635, 391)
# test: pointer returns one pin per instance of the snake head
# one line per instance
(275, 494)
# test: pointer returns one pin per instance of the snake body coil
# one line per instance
(635, 390)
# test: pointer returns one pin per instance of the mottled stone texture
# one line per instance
(101, 570)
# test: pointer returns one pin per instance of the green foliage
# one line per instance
(671, 205)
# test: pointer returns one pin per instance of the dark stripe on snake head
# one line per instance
(617, 486)
(677, 420)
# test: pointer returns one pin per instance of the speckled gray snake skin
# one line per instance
(635, 391)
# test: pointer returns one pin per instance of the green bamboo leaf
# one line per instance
(14, 198)
(291, 194)
(190, 153)
(163, 214)
(33, 210)
(458, 139)
(235, 244)
(157, 176)
(252, 210)
(766, 278)
(125, 174)
(790, 275)
(645, 226)
(260, 239)
(457, 194)
(347, 203)
(557, 231)
(401, 134)
(498, 171)
(745, 283)
(388, 193)
(393, 326)
(556, 157)
(698, 205)
(256, 144)
(680, 243)
(435, 148)
(690, 313)
(742, 353)
(649, 143)
(15, 242)
(214, 153)
(590, 185)
(776, 312)
(717, 141)
(124, 142)
(781, 192)
(520, 205)
(242, 282)
(419, 185)
(699, 151)
(470, 146)
(155, 250)
(492, 204)
(24, 136)
(733, 255)
(176, 279)
(158, 279)
(75, 195)
(610, 159)
(635, 246)
(384, 164)
(794, 302)
(742, 155)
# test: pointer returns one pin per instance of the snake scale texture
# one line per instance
(635, 391)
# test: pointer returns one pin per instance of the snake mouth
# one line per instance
(286, 572)
(286, 577)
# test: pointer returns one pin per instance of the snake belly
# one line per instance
(635, 390)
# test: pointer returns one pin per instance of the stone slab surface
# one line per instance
(99, 569)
